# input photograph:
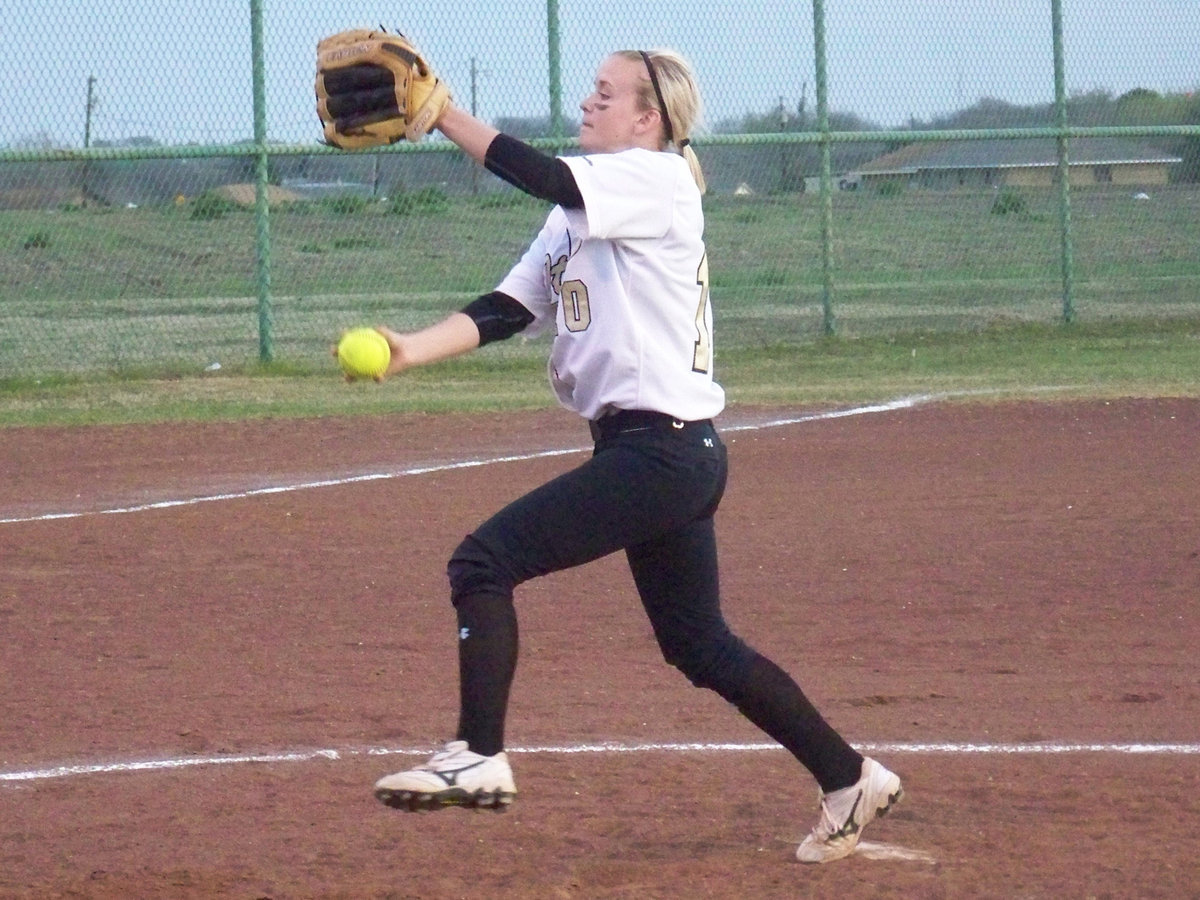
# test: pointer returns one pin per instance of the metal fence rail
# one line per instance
(164, 203)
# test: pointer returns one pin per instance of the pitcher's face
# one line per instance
(612, 117)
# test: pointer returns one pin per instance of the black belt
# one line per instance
(624, 421)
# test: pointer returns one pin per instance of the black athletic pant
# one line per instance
(651, 488)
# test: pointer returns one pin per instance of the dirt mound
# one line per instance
(243, 194)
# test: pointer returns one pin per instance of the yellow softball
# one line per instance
(363, 353)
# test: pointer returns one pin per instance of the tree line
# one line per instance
(767, 168)
(1091, 109)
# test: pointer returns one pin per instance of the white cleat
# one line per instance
(454, 776)
(845, 813)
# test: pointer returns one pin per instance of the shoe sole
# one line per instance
(892, 800)
(416, 801)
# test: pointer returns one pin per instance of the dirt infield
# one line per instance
(1000, 601)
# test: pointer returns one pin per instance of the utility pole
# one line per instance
(85, 178)
(474, 85)
(554, 54)
(785, 150)
(474, 112)
(91, 105)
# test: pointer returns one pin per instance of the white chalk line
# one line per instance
(334, 755)
(288, 488)
(889, 406)
(867, 849)
(902, 403)
(871, 850)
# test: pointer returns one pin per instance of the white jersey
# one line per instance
(625, 280)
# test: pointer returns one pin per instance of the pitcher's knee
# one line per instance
(474, 569)
(718, 664)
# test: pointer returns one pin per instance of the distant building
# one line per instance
(1029, 162)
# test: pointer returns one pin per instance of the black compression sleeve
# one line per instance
(497, 316)
(532, 171)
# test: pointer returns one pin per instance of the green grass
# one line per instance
(120, 315)
(1143, 358)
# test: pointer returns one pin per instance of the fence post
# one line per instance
(1064, 163)
(829, 325)
(262, 233)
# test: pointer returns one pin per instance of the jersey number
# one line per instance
(577, 312)
(702, 356)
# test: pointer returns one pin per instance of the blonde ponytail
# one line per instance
(693, 161)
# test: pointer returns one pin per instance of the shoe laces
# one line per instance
(443, 756)
(838, 810)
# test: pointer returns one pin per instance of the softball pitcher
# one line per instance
(619, 272)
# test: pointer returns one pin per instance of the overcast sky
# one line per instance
(179, 70)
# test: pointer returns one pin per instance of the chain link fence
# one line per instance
(874, 168)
